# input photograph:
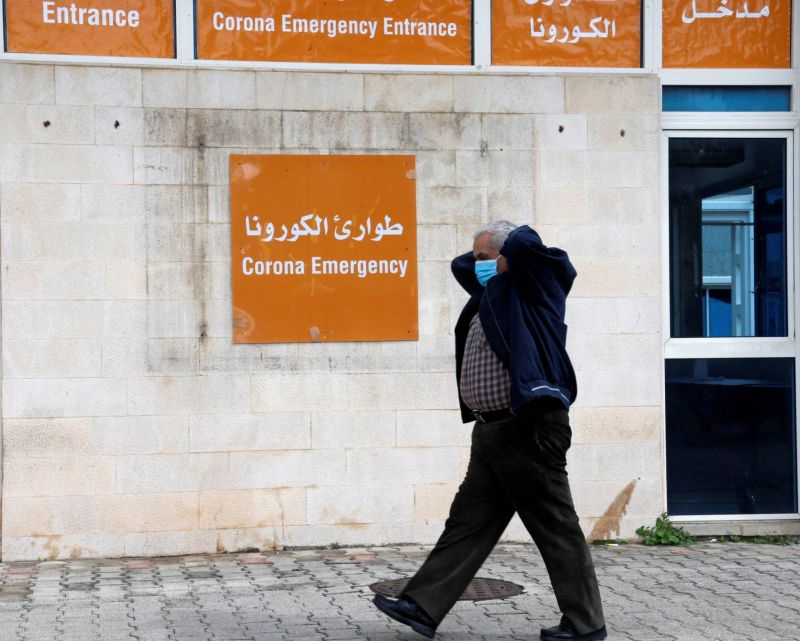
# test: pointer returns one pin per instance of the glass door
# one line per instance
(730, 371)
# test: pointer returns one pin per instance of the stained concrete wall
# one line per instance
(132, 425)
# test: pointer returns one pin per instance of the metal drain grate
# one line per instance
(479, 589)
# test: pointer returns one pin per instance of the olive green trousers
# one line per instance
(516, 465)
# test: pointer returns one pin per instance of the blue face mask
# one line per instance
(485, 269)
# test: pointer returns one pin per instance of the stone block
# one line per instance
(200, 394)
(119, 435)
(436, 242)
(298, 392)
(352, 429)
(402, 391)
(448, 205)
(612, 462)
(207, 89)
(172, 356)
(603, 169)
(364, 504)
(246, 539)
(498, 169)
(245, 432)
(616, 279)
(170, 242)
(63, 546)
(309, 91)
(212, 242)
(390, 466)
(620, 388)
(112, 203)
(49, 516)
(152, 544)
(126, 280)
(171, 319)
(162, 165)
(434, 316)
(219, 204)
(434, 279)
(627, 206)
(27, 203)
(561, 206)
(53, 358)
(164, 127)
(616, 424)
(322, 131)
(624, 132)
(406, 93)
(65, 164)
(27, 84)
(508, 132)
(233, 128)
(561, 131)
(125, 319)
(432, 428)
(114, 86)
(624, 314)
(292, 468)
(123, 357)
(436, 168)
(252, 508)
(562, 169)
(45, 319)
(34, 398)
(46, 124)
(612, 94)
(432, 501)
(73, 241)
(119, 125)
(80, 475)
(136, 474)
(635, 351)
(508, 94)
(173, 204)
(597, 242)
(175, 281)
(164, 87)
(324, 535)
(438, 131)
(148, 512)
(511, 203)
(435, 354)
(32, 438)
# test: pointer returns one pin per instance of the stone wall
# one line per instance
(132, 425)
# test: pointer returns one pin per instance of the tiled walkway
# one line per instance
(732, 592)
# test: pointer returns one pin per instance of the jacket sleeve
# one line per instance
(541, 273)
(463, 268)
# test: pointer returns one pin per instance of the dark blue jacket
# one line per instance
(522, 314)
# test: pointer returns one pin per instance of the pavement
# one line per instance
(725, 592)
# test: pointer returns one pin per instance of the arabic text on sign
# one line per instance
(312, 225)
(691, 13)
(575, 35)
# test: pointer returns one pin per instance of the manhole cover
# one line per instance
(479, 589)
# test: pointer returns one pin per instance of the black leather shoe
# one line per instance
(563, 632)
(407, 612)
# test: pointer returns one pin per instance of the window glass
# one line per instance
(727, 227)
(701, 98)
(730, 436)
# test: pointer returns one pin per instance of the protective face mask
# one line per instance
(485, 269)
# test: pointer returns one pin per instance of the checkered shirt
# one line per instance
(485, 383)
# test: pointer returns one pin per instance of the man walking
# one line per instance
(516, 382)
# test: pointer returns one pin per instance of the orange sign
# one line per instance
(323, 248)
(566, 33)
(727, 33)
(134, 28)
(378, 31)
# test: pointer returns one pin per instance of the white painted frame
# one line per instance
(482, 44)
(738, 347)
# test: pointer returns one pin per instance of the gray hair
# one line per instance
(499, 230)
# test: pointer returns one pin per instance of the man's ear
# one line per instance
(502, 264)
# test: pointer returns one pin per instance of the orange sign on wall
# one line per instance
(734, 34)
(323, 248)
(566, 33)
(378, 31)
(134, 28)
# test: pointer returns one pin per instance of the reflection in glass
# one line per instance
(727, 236)
(730, 436)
